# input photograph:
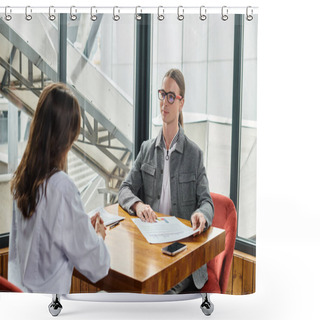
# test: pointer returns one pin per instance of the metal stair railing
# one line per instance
(24, 74)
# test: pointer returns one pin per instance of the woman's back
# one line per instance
(59, 236)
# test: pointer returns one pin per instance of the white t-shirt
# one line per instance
(165, 198)
(59, 236)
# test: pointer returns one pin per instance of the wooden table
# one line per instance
(140, 267)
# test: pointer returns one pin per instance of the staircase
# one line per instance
(81, 174)
(28, 63)
(87, 181)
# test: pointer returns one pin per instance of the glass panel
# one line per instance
(100, 61)
(248, 168)
(25, 47)
(14, 131)
(203, 51)
(102, 80)
(219, 102)
(102, 77)
(167, 52)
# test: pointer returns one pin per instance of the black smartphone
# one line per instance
(174, 248)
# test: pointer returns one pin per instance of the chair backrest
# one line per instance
(6, 286)
(225, 217)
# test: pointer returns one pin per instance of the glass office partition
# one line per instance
(204, 52)
(100, 60)
(100, 67)
(26, 66)
(248, 167)
(100, 76)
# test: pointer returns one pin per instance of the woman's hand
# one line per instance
(198, 221)
(98, 224)
(94, 219)
(100, 228)
(144, 212)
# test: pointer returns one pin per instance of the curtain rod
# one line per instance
(127, 10)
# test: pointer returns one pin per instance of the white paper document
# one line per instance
(107, 217)
(165, 229)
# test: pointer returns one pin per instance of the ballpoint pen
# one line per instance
(113, 225)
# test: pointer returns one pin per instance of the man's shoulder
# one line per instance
(191, 146)
(148, 145)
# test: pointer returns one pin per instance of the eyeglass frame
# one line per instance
(166, 95)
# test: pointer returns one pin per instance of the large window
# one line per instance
(204, 52)
(248, 159)
(100, 57)
(98, 62)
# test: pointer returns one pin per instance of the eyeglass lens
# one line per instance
(170, 96)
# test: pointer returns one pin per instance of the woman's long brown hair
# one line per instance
(55, 126)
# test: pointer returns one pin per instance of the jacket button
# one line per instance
(159, 197)
(161, 171)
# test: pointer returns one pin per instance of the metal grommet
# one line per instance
(224, 13)
(8, 17)
(28, 15)
(180, 15)
(116, 17)
(93, 16)
(73, 17)
(160, 16)
(52, 16)
(203, 13)
(249, 17)
(138, 16)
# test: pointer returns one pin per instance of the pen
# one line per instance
(114, 224)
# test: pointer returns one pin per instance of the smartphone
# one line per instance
(174, 248)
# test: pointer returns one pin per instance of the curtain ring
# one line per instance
(52, 16)
(8, 17)
(203, 15)
(224, 13)
(180, 16)
(116, 17)
(249, 17)
(73, 17)
(160, 16)
(138, 16)
(93, 16)
(28, 15)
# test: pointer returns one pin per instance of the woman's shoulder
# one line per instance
(61, 182)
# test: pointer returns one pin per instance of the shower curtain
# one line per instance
(114, 60)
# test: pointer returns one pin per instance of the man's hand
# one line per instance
(198, 221)
(144, 212)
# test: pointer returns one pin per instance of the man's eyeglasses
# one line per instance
(171, 96)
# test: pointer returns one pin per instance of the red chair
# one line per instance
(225, 217)
(6, 286)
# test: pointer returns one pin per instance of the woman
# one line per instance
(51, 234)
(168, 175)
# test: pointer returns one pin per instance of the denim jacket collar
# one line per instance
(180, 142)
